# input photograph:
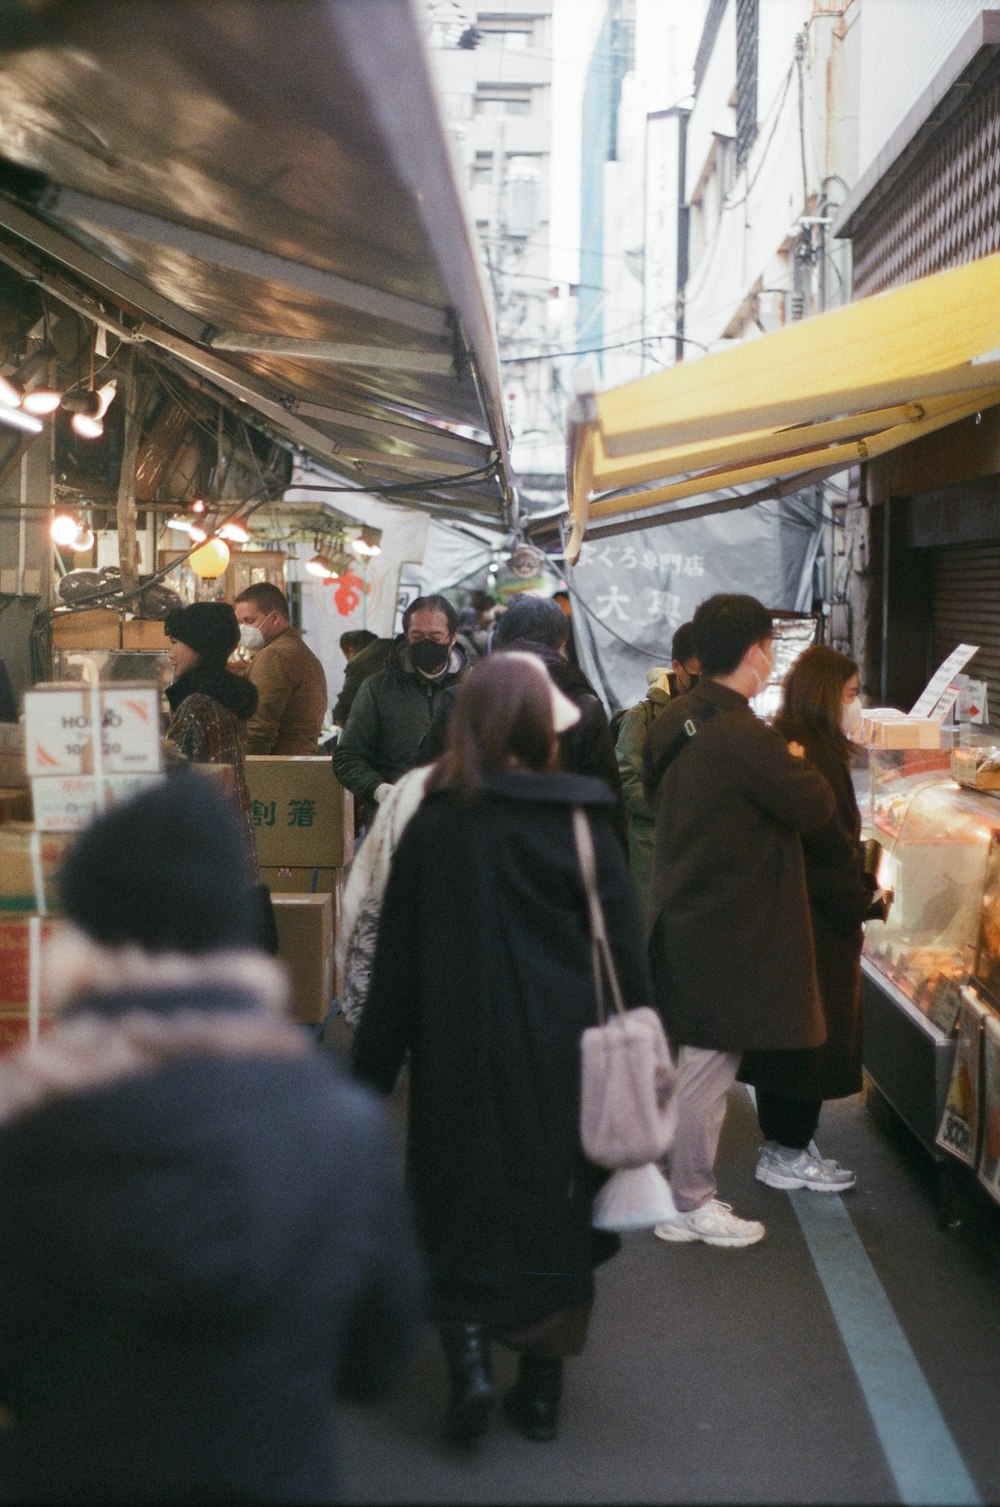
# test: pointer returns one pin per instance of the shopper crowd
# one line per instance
(204, 1240)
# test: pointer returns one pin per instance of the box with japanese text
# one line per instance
(67, 803)
(285, 880)
(59, 722)
(303, 817)
(305, 946)
(23, 1014)
(13, 774)
(30, 861)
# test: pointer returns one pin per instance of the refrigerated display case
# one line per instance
(937, 836)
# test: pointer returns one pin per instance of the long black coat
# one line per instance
(840, 896)
(730, 935)
(482, 973)
(197, 1255)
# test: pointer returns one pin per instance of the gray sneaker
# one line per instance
(783, 1167)
(714, 1223)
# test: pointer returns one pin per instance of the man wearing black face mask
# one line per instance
(393, 709)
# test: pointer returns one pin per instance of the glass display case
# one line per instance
(940, 841)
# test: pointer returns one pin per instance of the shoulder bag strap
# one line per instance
(601, 959)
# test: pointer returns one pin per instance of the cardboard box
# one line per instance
(29, 863)
(66, 803)
(286, 880)
(12, 771)
(15, 1028)
(303, 816)
(88, 628)
(15, 803)
(59, 723)
(907, 732)
(21, 941)
(144, 633)
(305, 945)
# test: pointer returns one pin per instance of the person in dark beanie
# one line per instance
(203, 1240)
(210, 704)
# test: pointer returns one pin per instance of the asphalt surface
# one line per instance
(853, 1356)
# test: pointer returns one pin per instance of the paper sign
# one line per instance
(940, 693)
(972, 701)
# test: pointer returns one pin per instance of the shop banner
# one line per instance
(630, 592)
(989, 1161)
(959, 1129)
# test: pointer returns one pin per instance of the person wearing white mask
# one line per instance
(730, 939)
(820, 708)
(290, 681)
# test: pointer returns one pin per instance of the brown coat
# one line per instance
(730, 936)
(291, 691)
(840, 897)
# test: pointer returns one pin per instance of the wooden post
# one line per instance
(133, 396)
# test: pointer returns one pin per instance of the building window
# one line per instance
(503, 99)
(514, 32)
(746, 77)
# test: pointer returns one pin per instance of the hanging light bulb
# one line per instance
(234, 531)
(18, 420)
(197, 534)
(367, 543)
(322, 566)
(63, 529)
(83, 540)
(181, 524)
(105, 397)
(41, 400)
(86, 427)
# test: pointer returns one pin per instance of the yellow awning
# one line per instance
(801, 403)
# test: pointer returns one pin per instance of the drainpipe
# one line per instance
(683, 217)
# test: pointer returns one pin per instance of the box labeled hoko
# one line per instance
(60, 719)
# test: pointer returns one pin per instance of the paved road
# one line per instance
(853, 1356)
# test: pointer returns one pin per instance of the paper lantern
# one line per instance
(210, 560)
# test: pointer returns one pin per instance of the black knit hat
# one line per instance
(209, 628)
(164, 871)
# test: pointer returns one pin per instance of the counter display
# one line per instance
(941, 939)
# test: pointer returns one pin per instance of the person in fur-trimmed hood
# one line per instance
(203, 1241)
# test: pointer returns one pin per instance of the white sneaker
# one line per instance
(714, 1223)
(787, 1168)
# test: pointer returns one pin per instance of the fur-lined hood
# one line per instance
(146, 1130)
(126, 1013)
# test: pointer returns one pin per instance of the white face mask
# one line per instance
(850, 718)
(767, 665)
(251, 638)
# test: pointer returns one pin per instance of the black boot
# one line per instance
(473, 1395)
(533, 1404)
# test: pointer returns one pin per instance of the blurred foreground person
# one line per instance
(202, 1241)
(819, 709)
(482, 973)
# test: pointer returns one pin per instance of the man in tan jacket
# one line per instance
(291, 685)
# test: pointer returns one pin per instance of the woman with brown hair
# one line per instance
(819, 709)
(482, 974)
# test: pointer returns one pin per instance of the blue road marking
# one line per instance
(920, 1452)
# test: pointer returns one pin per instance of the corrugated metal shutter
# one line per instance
(967, 610)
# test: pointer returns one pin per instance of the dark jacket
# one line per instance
(482, 972)
(588, 748)
(730, 939)
(840, 897)
(388, 721)
(369, 661)
(200, 1249)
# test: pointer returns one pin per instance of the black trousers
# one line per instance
(790, 1122)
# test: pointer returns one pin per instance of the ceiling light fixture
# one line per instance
(234, 531)
(63, 530)
(367, 543)
(10, 396)
(41, 401)
(322, 566)
(18, 420)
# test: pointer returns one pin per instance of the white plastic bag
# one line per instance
(634, 1198)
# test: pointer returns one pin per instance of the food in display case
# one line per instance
(977, 766)
(941, 840)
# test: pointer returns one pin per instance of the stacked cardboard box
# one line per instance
(304, 822)
(74, 773)
(22, 1017)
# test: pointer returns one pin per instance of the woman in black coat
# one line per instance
(482, 973)
(820, 701)
(202, 1238)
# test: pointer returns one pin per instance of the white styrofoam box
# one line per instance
(59, 720)
(67, 803)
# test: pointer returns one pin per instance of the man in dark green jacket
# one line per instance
(393, 709)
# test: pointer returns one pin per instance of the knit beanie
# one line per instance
(164, 871)
(209, 628)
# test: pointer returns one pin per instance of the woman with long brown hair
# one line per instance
(482, 973)
(819, 709)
